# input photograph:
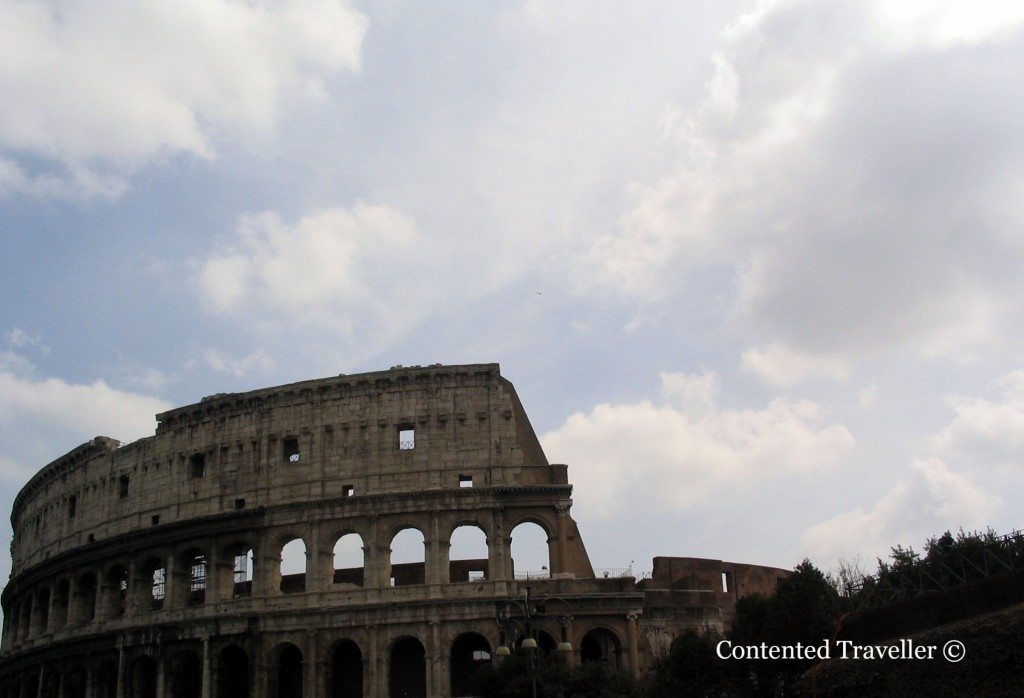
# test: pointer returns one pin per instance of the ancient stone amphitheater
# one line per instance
(154, 568)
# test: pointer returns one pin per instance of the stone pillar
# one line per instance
(497, 549)
(633, 642)
(310, 666)
(437, 561)
(314, 572)
(510, 568)
(119, 691)
(560, 554)
(375, 676)
(90, 680)
(207, 673)
(161, 674)
(438, 679)
(214, 569)
(260, 676)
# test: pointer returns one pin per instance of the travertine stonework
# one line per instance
(153, 568)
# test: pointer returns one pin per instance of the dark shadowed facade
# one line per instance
(153, 569)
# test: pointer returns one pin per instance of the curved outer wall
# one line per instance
(131, 576)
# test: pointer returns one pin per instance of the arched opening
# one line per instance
(467, 555)
(530, 554)
(117, 591)
(408, 558)
(546, 643)
(42, 618)
(74, 683)
(242, 567)
(141, 678)
(86, 594)
(156, 583)
(232, 673)
(407, 670)
(602, 646)
(106, 681)
(25, 623)
(289, 673)
(51, 684)
(293, 566)
(195, 566)
(349, 560)
(470, 653)
(346, 671)
(186, 675)
(61, 602)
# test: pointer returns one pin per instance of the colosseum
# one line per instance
(155, 568)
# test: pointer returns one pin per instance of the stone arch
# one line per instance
(240, 558)
(85, 598)
(61, 603)
(293, 565)
(349, 549)
(75, 681)
(41, 618)
(51, 684)
(470, 653)
(345, 678)
(106, 681)
(286, 671)
(153, 584)
(191, 578)
(232, 673)
(546, 643)
(601, 645)
(407, 668)
(116, 591)
(468, 554)
(185, 678)
(530, 543)
(404, 569)
(25, 621)
(141, 681)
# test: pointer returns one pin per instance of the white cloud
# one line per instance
(86, 410)
(238, 366)
(332, 268)
(845, 167)
(97, 89)
(934, 498)
(687, 448)
(782, 367)
(988, 433)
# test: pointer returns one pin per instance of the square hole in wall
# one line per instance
(347, 490)
(240, 503)
(198, 466)
(406, 438)
(154, 519)
(72, 506)
(290, 449)
(122, 486)
(465, 480)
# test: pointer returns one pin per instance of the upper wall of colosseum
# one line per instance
(406, 429)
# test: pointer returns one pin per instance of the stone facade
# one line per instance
(153, 568)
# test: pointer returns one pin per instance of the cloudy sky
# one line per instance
(755, 268)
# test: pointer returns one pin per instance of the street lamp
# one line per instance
(529, 613)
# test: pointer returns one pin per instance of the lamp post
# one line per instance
(529, 612)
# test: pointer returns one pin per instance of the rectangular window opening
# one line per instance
(290, 449)
(240, 503)
(406, 438)
(347, 490)
(198, 466)
(72, 506)
(122, 486)
(725, 581)
(477, 575)
(465, 480)
(392, 581)
(154, 519)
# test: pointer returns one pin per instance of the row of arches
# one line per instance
(232, 672)
(190, 577)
